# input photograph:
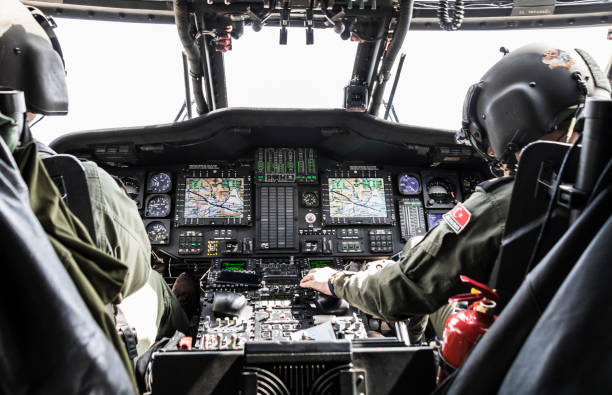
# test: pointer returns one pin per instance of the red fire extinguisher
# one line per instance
(464, 328)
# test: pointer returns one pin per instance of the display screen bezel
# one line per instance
(388, 219)
(362, 179)
(244, 173)
(241, 189)
(428, 213)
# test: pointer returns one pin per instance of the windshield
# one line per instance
(127, 74)
(439, 67)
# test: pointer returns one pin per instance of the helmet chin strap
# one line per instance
(509, 155)
(493, 162)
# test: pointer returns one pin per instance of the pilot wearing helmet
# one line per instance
(114, 269)
(532, 93)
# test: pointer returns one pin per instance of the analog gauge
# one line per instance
(469, 183)
(440, 191)
(310, 199)
(409, 184)
(157, 232)
(158, 206)
(160, 183)
(132, 187)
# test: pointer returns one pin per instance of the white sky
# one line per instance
(124, 74)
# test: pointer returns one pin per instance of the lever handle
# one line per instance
(468, 297)
(485, 291)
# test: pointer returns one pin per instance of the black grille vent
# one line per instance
(297, 379)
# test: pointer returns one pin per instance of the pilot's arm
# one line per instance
(427, 274)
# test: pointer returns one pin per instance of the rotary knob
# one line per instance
(310, 218)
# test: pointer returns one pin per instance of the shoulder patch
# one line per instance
(493, 183)
(457, 218)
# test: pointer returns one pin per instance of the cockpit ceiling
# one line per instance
(479, 15)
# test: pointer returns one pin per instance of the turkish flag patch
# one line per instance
(457, 218)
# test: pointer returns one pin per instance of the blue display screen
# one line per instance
(433, 219)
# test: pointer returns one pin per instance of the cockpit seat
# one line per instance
(538, 167)
(538, 305)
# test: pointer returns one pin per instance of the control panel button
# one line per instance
(380, 240)
(190, 243)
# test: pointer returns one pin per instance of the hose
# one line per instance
(181, 18)
(384, 74)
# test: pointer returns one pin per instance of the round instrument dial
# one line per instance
(132, 187)
(160, 183)
(409, 184)
(440, 191)
(158, 206)
(157, 232)
(310, 199)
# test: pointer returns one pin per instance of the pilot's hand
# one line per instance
(317, 279)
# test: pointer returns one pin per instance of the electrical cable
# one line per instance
(601, 182)
(38, 120)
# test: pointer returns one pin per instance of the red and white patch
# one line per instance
(457, 218)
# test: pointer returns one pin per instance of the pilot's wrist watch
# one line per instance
(330, 282)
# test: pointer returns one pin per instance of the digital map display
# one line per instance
(357, 198)
(214, 198)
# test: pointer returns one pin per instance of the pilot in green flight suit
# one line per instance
(539, 83)
(116, 266)
(121, 234)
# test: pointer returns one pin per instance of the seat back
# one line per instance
(538, 168)
(69, 176)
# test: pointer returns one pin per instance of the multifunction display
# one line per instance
(214, 198)
(362, 197)
(357, 198)
(212, 195)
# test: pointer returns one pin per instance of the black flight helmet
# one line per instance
(525, 95)
(31, 59)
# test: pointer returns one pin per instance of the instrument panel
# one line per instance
(291, 201)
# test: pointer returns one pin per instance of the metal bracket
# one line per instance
(570, 197)
(309, 27)
(284, 22)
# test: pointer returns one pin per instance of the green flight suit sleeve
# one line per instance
(170, 315)
(119, 229)
(428, 274)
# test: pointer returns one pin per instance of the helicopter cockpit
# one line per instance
(249, 200)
